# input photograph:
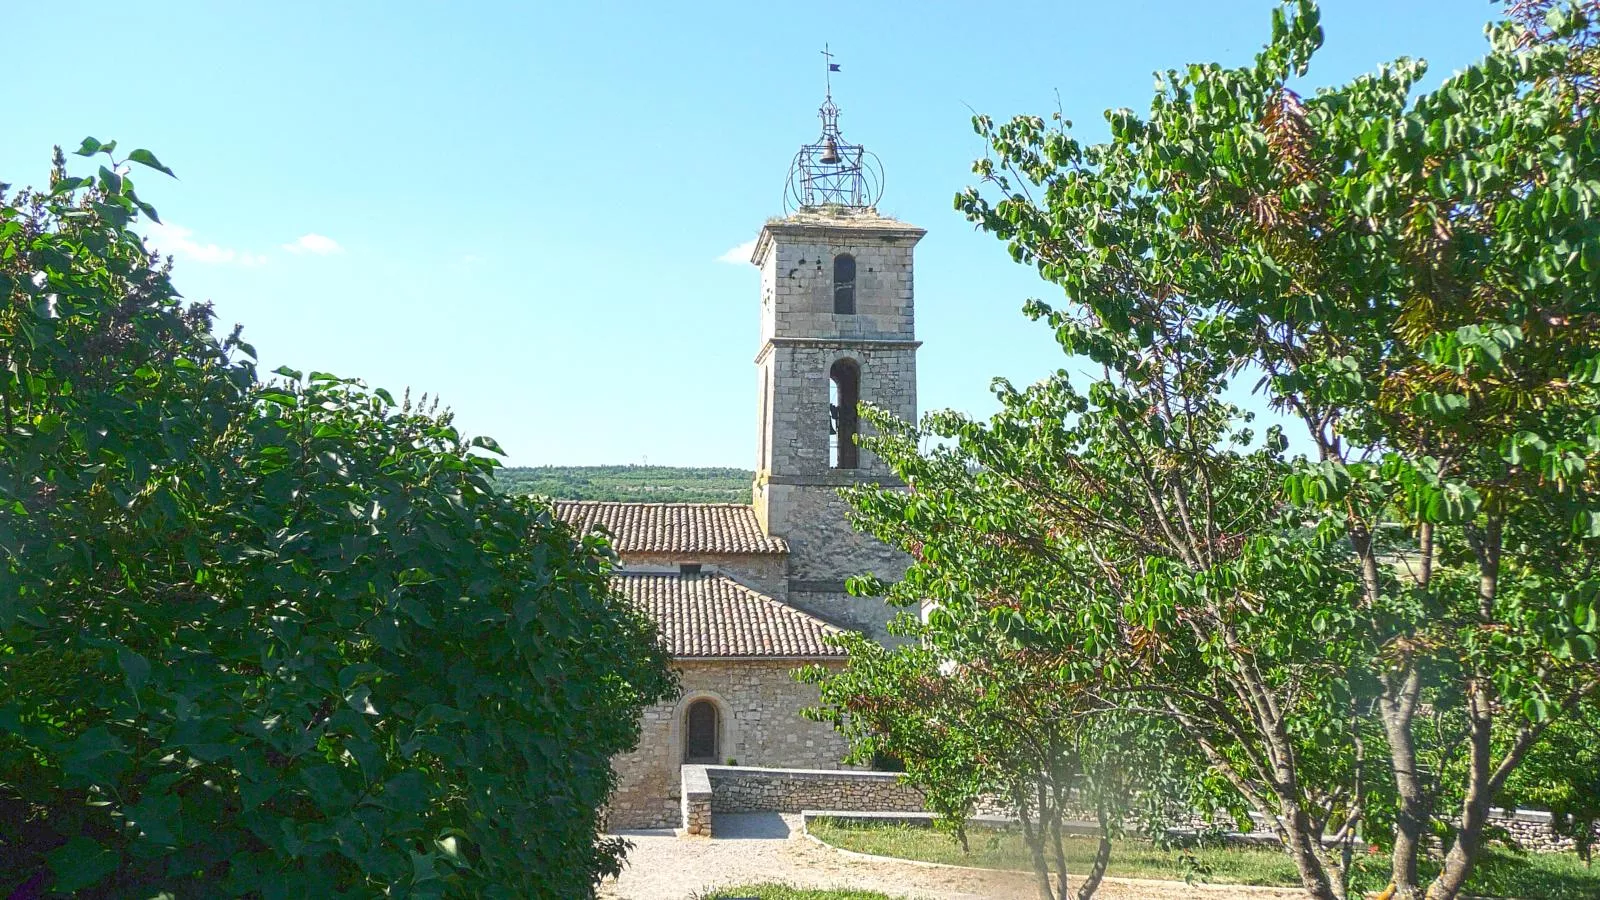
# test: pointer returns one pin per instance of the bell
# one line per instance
(830, 152)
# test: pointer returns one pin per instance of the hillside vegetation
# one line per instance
(656, 484)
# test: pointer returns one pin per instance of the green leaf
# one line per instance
(146, 158)
(68, 184)
(1583, 647)
(96, 757)
(279, 397)
(79, 864)
(110, 181)
(89, 147)
(406, 792)
(135, 668)
(148, 210)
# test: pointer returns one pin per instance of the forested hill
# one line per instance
(655, 484)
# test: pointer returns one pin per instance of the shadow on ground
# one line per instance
(767, 826)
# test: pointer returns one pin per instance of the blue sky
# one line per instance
(522, 208)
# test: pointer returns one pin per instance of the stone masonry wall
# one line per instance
(797, 285)
(1532, 830)
(799, 420)
(695, 807)
(759, 705)
(764, 572)
(740, 789)
(824, 551)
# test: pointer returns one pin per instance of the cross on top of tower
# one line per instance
(833, 172)
(827, 73)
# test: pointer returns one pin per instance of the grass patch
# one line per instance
(1546, 876)
(1500, 873)
(990, 849)
(785, 892)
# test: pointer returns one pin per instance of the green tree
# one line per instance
(977, 703)
(1562, 774)
(280, 638)
(1412, 277)
(1105, 566)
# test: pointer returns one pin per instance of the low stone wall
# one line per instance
(696, 801)
(1533, 830)
(707, 790)
(737, 789)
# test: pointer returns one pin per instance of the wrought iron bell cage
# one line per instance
(833, 171)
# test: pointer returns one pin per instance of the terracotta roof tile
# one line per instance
(711, 616)
(723, 528)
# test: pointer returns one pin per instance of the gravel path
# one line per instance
(768, 847)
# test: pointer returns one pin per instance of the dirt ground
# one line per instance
(768, 847)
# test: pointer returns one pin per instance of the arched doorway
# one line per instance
(702, 733)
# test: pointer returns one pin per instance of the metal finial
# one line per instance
(832, 171)
(828, 69)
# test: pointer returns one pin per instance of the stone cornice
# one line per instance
(835, 343)
(845, 227)
(831, 480)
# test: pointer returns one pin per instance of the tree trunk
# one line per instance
(1298, 836)
(1102, 856)
(1396, 707)
(1035, 839)
(1059, 848)
(1481, 785)
(1475, 808)
(1303, 849)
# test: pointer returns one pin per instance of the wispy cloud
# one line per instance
(739, 255)
(315, 244)
(179, 241)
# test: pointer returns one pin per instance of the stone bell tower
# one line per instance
(837, 329)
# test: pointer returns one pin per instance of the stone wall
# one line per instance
(824, 551)
(744, 789)
(796, 261)
(795, 438)
(758, 704)
(1531, 829)
(696, 803)
(764, 572)
(741, 789)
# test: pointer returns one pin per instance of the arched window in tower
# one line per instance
(700, 734)
(844, 284)
(844, 394)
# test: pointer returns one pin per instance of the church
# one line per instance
(745, 594)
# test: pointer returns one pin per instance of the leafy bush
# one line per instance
(274, 639)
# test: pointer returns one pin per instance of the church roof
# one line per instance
(676, 528)
(711, 616)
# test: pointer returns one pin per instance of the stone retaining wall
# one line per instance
(736, 789)
(743, 789)
(1532, 829)
(707, 790)
(696, 801)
